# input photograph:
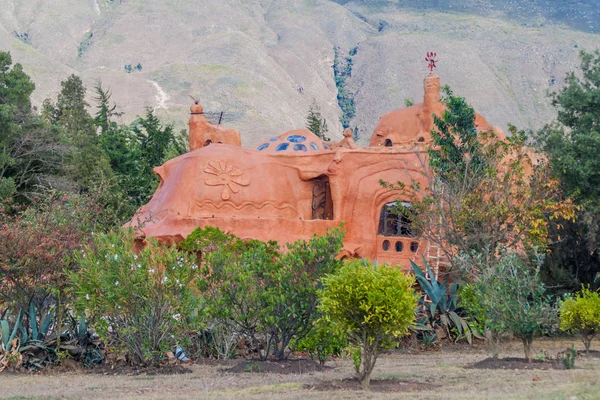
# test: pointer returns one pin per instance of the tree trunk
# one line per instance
(527, 347)
(587, 341)
(369, 357)
(59, 317)
(492, 340)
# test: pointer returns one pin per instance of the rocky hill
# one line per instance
(263, 62)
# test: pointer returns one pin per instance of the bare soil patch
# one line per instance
(591, 354)
(296, 366)
(129, 370)
(516, 363)
(377, 385)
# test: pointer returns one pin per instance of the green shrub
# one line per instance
(324, 341)
(206, 240)
(259, 292)
(513, 299)
(235, 292)
(139, 302)
(372, 305)
(482, 326)
(581, 314)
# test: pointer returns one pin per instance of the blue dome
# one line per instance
(300, 141)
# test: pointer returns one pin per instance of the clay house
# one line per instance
(294, 185)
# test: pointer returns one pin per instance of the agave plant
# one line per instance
(36, 343)
(7, 335)
(441, 302)
(10, 356)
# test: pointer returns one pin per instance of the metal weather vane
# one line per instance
(430, 58)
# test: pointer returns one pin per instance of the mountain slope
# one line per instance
(264, 61)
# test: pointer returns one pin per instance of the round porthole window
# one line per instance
(282, 147)
(414, 246)
(300, 147)
(296, 139)
(399, 247)
(386, 245)
(262, 146)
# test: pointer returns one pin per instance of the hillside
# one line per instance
(264, 61)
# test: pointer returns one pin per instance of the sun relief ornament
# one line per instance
(231, 178)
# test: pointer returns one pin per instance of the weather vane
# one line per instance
(431, 60)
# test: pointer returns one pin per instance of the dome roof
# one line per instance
(299, 141)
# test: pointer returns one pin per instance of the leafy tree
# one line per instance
(316, 123)
(31, 152)
(581, 314)
(372, 305)
(482, 191)
(37, 250)
(572, 144)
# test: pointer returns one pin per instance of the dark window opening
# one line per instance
(388, 143)
(396, 221)
(414, 246)
(322, 204)
(399, 247)
(385, 245)
(421, 139)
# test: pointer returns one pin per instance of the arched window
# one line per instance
(396, 221)
(388, 143)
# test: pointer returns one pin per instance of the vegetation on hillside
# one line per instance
(342, 70)
(316, 123)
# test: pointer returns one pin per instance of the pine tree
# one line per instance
(90, 165)
(315, 121)
(105, 111)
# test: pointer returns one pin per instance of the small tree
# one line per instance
(513, 299)
(372, 305)
(581, 314)
(482, 192)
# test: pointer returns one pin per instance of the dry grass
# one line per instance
(441, 373)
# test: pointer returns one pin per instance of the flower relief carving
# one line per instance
(231, 178)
